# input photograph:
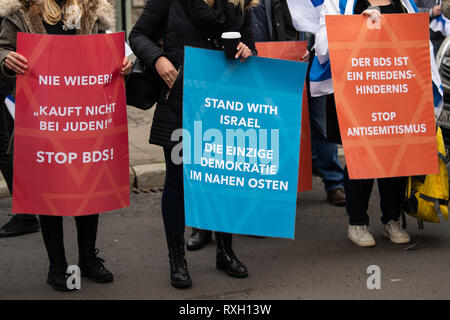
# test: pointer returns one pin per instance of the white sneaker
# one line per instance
(395, 232)
(360, 236)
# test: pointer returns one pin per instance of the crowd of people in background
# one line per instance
(198, 23)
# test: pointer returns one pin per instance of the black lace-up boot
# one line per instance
(92, 267)
(53, 235)
(179, 274)
(198, 239)
(226, 259)
(57, 277)
(18, 225)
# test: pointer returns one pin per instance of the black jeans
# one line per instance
(53, 234)
(173, 197)
(357, 193)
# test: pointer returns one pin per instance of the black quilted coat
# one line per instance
(175, 24)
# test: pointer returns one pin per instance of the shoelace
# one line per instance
(361, 229)
(228, 250)
(177, 257)
(98, 261)
(393, 226)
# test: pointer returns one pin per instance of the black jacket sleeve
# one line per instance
(146, 34)
(247, 33)
(289, 30)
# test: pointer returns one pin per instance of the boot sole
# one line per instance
(183, 284)
(99, 280)
(232, 274)
(21, 233)
(58, 288)
(369, 245)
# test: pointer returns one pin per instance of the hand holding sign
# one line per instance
(16, 62)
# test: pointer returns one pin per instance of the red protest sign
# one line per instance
(384, 95)
(294, 50)
(71, 135)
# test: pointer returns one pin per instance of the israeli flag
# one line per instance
(305, 14)
(320, 74)
(440, 24)
(11, 106)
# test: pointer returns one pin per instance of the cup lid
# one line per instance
(231, 35)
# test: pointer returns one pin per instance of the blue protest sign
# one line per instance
(241, 142)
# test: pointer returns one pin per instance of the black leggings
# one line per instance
(357, 194)
(52, 232)
(173, 197)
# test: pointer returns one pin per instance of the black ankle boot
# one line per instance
(57, 277)
(18, 225)
(92, 267)
(226, 259)
(198, 239)
(179, 274)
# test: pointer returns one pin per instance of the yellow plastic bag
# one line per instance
(427, 196)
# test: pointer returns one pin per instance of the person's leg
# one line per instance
(392, 193)
(90, 265)
(20, 223)
(87, 227)
(358, 193)
(325, 154)
(173, 197)
(173, 216)
(53, 235)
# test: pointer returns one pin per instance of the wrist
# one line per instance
(374, 8)
(8, 71)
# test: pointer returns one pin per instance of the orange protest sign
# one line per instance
(294, 50)
(384, 95)
(284, 50)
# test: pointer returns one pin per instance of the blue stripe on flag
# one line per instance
(317, 3)
(319, 72)
(437, 97)
(439, 18)
(413, 4)
(342, 5)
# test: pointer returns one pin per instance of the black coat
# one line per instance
(171, 22)
(276, 21)
(6, 85)
(283, 28)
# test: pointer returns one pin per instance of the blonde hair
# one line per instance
(236, 3)
(70, 13)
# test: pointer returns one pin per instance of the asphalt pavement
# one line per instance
(319, 264)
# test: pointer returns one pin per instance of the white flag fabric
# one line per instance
(11, 106)
(305, 14)
(440, 24)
